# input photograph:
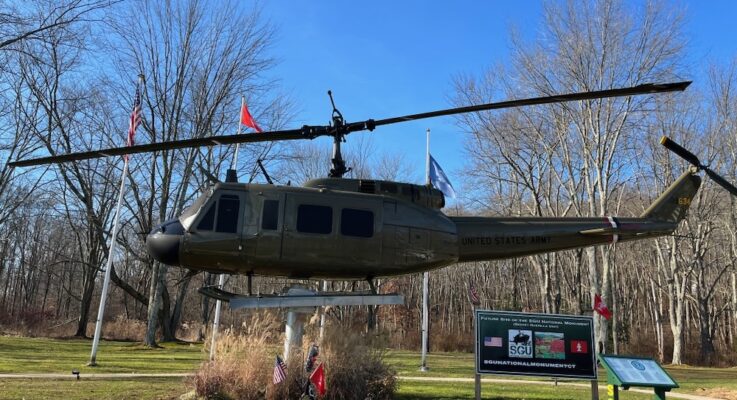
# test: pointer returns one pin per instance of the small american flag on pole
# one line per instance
(473, 295)
(280, 371)
(135, 118)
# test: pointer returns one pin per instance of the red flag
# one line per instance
(601, 308)
(318, 379)
(247, 119)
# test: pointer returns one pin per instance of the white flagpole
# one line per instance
(221, 280)
(109, 267)
(113, 242)
(240, 126)
(106, 282)
(425, 277)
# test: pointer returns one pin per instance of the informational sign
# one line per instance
(636, 371)
(535, 344)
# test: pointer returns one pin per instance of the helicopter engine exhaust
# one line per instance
(164, 240)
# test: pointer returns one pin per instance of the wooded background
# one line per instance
(68, 70)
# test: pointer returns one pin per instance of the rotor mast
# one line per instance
(338, 132)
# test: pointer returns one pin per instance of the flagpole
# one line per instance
(426, 275)
(240, 126)
(221, 280)
(108, 268)
(427, 159)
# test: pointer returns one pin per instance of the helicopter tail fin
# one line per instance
(672, 205)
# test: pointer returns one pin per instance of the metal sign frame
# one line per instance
(613, 377)
(580, 327)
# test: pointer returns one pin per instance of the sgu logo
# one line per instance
(520, 343)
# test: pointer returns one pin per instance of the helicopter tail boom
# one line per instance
(483, 238)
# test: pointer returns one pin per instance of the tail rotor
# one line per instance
(692, 159)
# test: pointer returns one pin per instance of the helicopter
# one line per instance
(340, 228)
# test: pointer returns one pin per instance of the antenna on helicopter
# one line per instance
(693, 160)
(338, 132)
(263, 171)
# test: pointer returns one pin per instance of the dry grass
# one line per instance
(244, 364)
(355, 368)
(122, 328)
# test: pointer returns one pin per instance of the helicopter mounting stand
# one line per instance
(299, 300)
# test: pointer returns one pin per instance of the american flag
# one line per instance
(473, 294)
(135, 119)
(280, 371)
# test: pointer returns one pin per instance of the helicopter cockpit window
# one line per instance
(270, 216)
(208, 220)
(228, 206)
(190, 213)
(314, 219)
(358, 223)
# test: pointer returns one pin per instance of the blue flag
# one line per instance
(439, 180)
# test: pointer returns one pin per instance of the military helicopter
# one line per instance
(338, 228)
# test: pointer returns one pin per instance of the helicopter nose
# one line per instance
(163, 242)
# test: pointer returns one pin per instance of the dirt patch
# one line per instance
(718, 393)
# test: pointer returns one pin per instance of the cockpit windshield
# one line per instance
(191, 212)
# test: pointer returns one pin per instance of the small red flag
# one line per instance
(247, 119)
(318, 379)
(601, 308)
(579, 346)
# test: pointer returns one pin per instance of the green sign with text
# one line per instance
(535, 344)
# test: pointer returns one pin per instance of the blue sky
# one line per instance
(391, 58)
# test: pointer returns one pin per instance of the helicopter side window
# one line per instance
(358, 223)
(270, 216)
(314, 219)
(228, 213)
(208, 220)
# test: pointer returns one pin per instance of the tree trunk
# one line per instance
(88, 289)
(154, 298)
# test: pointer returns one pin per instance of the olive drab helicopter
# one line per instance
(338, 228)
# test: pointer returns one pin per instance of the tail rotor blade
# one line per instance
(678, 149)
(691, 158)
(721, 181)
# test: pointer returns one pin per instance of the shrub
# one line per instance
(244, 364)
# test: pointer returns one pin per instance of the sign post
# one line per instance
(477, 376)
(628, 371)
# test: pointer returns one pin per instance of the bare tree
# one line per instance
(198, 58)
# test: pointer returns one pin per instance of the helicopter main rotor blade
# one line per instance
(175, 144)
(682, 152)
(311, 132)
(692, 159)
(600, 94)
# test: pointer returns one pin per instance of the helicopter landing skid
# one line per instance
(300, 297)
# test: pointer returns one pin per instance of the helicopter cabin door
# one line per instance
(270, 226)
(214, 240)
(329, 236)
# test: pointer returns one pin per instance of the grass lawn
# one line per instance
(89, 389)
(498, 391)
(691, 379)
(40, 355)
